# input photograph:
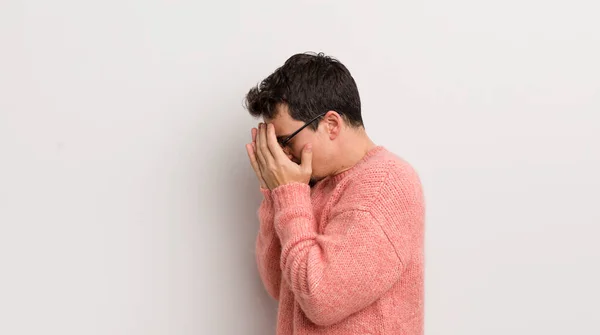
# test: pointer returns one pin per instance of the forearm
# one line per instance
(268, 247)
(336, 274)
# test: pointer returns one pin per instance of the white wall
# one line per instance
(127, 205)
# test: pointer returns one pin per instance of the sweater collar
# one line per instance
(372, 152)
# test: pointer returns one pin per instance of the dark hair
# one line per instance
(309, 84)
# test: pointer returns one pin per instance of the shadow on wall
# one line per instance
(241, 193)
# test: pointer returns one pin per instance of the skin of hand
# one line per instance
(251, 149)
(271, 164)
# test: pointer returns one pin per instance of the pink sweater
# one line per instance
(346, 256)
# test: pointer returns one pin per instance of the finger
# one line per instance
(273, 145)
(254, 132)
(263, 148)
(253, 162)
(306, 162)
(257, 150)
(287, 152)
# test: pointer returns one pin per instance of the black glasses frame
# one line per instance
(285, 141)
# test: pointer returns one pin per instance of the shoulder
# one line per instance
(385, 178)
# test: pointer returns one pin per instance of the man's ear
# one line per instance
(334, 123)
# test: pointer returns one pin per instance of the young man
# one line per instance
(342, 220)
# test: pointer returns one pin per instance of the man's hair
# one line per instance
(309, 84)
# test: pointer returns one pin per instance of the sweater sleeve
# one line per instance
(268, 247)
(337, 273)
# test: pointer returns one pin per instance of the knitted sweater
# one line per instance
(346, 256)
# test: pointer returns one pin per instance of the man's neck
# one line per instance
(354, 152)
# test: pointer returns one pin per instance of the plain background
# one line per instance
(128, 207)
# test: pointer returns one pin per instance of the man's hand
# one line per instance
(274, 165)
(251, 149)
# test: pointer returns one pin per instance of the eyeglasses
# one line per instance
(285, 141)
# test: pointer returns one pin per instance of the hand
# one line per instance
(251, 149)
(275, 166)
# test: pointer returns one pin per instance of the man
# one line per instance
(340, 243)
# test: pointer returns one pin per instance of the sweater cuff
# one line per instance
(293, 212)
(291, 195)
(267, 194)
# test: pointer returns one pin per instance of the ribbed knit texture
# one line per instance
(346, 256)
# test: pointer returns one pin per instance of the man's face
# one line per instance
(285, 126)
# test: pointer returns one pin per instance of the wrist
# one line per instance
(291, 195)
